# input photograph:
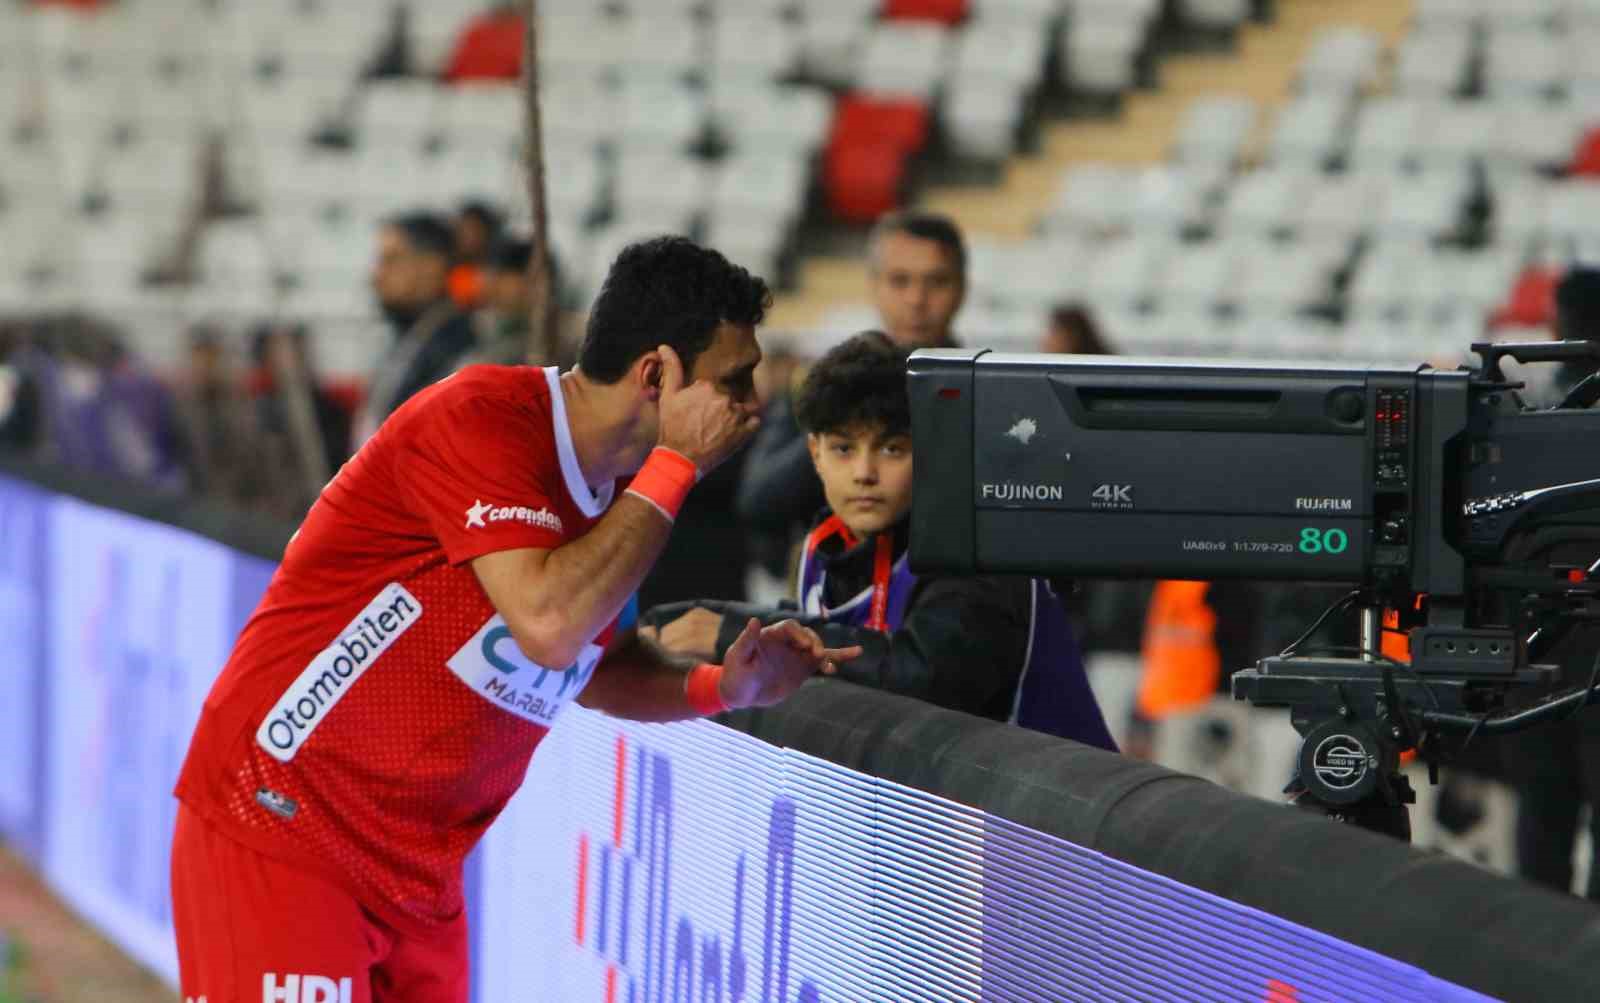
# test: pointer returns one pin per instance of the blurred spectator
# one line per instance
(505, 318)
(1577, 319)
(1073, 331)
(431, 334)
(489, 47)
(917, 273)
(917, 276)
(221, 434)
(477, 230)
(19, 393)
(305, 433)
(104, 415)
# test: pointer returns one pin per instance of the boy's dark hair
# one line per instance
(861, 381)
(666, 291)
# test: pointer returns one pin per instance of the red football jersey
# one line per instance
(375, 714)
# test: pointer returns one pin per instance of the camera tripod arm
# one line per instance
(1544, 710)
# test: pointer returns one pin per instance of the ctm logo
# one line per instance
(570, 675)
(668, 957)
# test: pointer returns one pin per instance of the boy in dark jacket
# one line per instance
(999, 647)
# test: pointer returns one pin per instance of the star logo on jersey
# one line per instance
(481, 514)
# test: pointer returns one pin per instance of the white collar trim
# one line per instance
(591, 503)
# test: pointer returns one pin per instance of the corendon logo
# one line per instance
(306, 989)
(481, 514)
(676, 961)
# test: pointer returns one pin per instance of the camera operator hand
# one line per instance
(699, 420)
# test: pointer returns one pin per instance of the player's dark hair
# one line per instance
(425, 232)
(666, 291)
(860, 382)
(934, 226)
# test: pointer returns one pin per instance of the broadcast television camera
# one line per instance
(1440, 497)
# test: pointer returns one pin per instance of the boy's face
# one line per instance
(866, 475)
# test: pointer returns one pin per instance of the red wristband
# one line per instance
(703, 687)
(664, 480)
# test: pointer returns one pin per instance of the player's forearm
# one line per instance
(639, 681)
(584, 584)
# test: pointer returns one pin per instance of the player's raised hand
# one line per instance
(698, 419)
(766, 664)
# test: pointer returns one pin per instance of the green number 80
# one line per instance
(1323, 541)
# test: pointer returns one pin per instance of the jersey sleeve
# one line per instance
(484, 478)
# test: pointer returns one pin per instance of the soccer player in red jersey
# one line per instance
(454, 587)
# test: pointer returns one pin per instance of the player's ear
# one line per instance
(647, 371)
(814, 447)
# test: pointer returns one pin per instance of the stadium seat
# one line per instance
(1090, 198)
(1341, 206)
(1199, 278)
(1215, 130)
(789, 120)
(863, 179)
(1389, 131)
(949, 12)
(1265, 201)
(1449, 13)
(1308, 130)
(1433, 64)
(661, 114)
(661, 46)
(1001, 49)
(1341, 60)
(1428, 205)
(1099, 57)
(759, 187)
(904, 60)
(670, 191)
(1525, 63)
(753, 46)
(982, 117)
(400, 114)
(1171, 198)
(1216, 15)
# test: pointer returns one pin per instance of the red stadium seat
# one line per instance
(1532, 302)
(863, 179)
(943, 11)
(899, 123)
(1586, 159)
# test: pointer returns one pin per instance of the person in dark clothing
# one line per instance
(1577, 319)
(411, 280)
(995, 646)
(917, 277)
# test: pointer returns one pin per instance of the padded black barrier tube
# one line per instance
(1459, 923)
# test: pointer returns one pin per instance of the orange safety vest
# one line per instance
(1182, 665)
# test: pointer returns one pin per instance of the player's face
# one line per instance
(916, 288)
(730, 363)
(866, 476)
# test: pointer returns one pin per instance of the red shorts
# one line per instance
(252, 929)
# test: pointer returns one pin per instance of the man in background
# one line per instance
(917, 278)
(411, 281)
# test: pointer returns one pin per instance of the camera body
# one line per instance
(1106, 467)
(1437, 496)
